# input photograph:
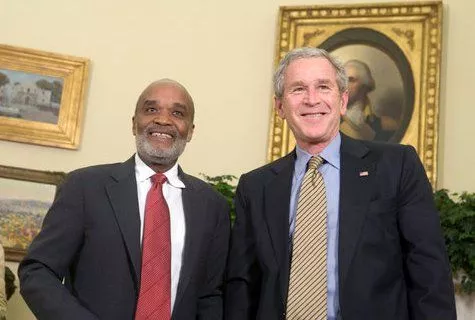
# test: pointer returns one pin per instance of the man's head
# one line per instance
(163, 123)
(360, 80)
(311, 94)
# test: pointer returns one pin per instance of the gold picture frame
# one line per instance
(41, 97)
(409, 33)
(25, 196)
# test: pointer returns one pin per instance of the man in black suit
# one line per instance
(92, 235)
(385, 255)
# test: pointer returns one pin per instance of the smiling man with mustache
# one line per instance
(162, 124)
(134, 240)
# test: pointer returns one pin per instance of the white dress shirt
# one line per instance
(172, 192)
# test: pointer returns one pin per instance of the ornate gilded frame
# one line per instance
(28, 175)
(73, 71)
(413, 28)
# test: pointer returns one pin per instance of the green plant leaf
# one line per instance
(457, 218)
(224, 184)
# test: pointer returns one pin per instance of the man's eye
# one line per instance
(297, 89)
(178, 113)
(150, 109)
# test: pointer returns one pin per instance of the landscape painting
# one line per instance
(42, 97)
(30, 96)
(23, 206)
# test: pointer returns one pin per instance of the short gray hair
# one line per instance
(364, 73)
(306, 53)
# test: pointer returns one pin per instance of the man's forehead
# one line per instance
(351, 68)
(161, 86)
(167, 89)
(313, 60)
(295, 68)
(156, 91)
(318, 75)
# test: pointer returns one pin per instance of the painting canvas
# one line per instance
(24, 200)
(376, 108)
(21, 213)
(30, 96)
(41, 97)
(381, 85)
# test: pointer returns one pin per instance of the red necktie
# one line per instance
(155, 281)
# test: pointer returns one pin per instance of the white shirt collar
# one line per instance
(144, 172)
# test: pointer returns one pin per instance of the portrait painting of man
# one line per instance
(376, 106)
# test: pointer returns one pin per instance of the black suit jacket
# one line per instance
(91, 237)
(391, 254)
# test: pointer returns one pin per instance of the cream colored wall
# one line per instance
(457, 130)
(223, 52)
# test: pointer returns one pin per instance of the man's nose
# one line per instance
(312, 97)
(162, 118)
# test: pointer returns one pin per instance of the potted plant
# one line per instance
(224, 185)
(457, 217)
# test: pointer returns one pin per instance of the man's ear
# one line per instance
(190, 133)
(134, 126)
(279, 108)
(343, 102)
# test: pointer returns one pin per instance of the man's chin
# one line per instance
(159, 151)
(159, 154)
(156, 146)
(163, 161)
(157, 158)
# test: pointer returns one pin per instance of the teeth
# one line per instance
(160, 134)
(313, 115)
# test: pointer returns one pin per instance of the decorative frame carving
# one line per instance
(19, 120)
(408, 32)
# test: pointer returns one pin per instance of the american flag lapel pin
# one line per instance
(364, 173)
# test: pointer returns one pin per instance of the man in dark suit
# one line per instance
(385, 255)
(94, 233)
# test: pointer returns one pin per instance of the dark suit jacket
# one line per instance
(392, 258)
(91, 237)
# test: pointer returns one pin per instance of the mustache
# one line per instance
(153, 127)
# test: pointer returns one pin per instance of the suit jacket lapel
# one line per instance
(356, 179)
(122, 192)
(193, 207)
(276, 213)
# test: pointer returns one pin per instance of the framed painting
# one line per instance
(392, 55)
(41, 97)
(25, 197)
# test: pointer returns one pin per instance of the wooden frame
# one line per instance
(407, 34)
(49, 115)
(14, 212)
